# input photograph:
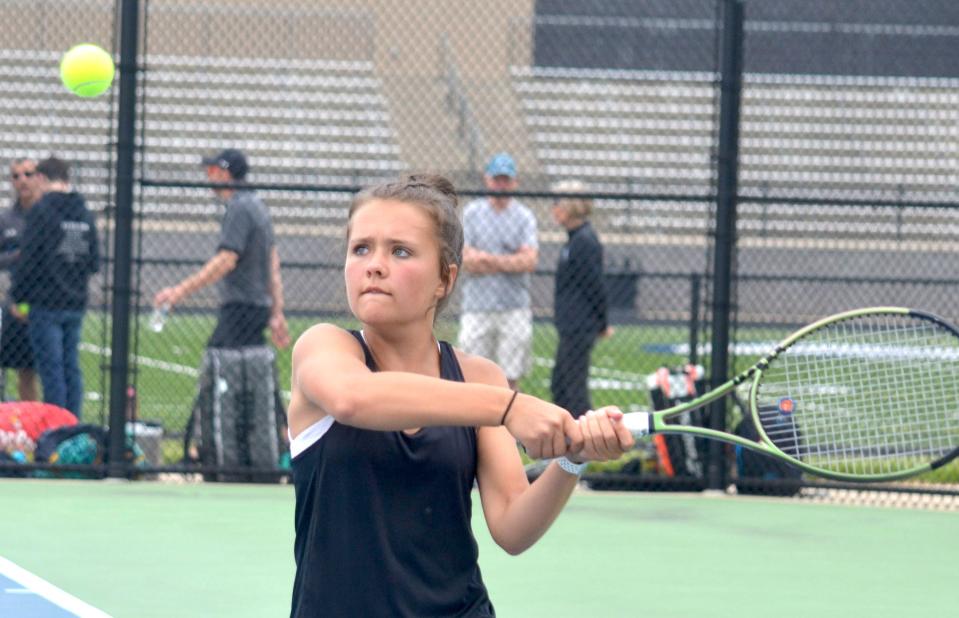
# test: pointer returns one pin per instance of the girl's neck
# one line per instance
(411, 352)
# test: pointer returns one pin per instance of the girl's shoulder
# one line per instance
(323, 337)
(479, 369)
(323, 330)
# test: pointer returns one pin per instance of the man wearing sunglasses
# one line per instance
(15, 350)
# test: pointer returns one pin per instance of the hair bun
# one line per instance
(434, 182)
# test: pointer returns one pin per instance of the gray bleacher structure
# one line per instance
(824, 137)
(39, 117)
(328, 122)
(317, 122)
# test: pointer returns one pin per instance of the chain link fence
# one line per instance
(847, 169)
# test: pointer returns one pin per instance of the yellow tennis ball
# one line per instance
(87, 70)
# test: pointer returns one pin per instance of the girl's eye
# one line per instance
(401, 252)
(360, 249)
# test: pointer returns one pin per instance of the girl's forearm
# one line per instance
(529, 515)
(393, 401)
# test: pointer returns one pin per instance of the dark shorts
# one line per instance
(15, 349)
(239, 325)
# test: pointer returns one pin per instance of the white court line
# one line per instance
(603, 377)
(858, 351)
(154, 363)
(48, 591)
(146, 361)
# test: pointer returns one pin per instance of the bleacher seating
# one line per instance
(830, 138)
(316, 122)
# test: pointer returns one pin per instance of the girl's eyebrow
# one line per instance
(391, 241)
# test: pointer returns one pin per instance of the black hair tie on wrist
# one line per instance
(509, 407)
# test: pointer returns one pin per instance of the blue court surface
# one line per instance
(24, 595)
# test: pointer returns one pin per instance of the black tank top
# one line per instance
(383, 520)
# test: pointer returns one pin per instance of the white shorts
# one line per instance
(504, 337)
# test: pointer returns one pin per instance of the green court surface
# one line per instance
(149, 549)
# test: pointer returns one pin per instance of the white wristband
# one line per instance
(576, 469)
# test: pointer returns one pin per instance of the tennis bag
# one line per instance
(679, 455)
(760, 474)
(78, 445)
(237, 415)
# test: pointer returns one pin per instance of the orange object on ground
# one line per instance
(33, 417)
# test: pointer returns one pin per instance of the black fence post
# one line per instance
(725, 243)
(695, 288)
(123, 236)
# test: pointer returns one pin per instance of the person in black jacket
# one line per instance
(579, 305)
(58, 254)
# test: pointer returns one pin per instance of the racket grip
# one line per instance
(637, 423)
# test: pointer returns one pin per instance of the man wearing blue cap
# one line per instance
(501, 250)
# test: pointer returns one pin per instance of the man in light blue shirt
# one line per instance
(501, 250)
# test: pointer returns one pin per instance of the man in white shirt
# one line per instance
(501, 250)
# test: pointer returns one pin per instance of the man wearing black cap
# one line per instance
(246, 264)
(238, 411)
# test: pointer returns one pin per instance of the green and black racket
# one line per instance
(866, 395)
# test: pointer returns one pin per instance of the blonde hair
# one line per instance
(437, 196)
(578, 207)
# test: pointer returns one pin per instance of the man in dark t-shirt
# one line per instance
(15, 350)
(246, 266)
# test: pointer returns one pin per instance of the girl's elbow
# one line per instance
(338, 399)
(514, 548)
(340, 403)
(342, 407)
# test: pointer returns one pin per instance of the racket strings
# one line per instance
(868, 395)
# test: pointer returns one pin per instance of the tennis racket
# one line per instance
(866, 395)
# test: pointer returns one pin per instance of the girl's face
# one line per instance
(392, 264)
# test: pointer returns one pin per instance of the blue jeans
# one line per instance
(55, 338)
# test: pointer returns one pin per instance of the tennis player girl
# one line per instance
(391, 428)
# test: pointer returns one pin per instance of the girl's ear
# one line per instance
(445, 286)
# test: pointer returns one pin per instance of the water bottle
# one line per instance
(158, 318)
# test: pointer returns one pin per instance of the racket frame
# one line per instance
(646, 423)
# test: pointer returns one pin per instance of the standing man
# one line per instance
(15, 350)
(246, 264)
(240, 425)
(59, 253)
(501, 250)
